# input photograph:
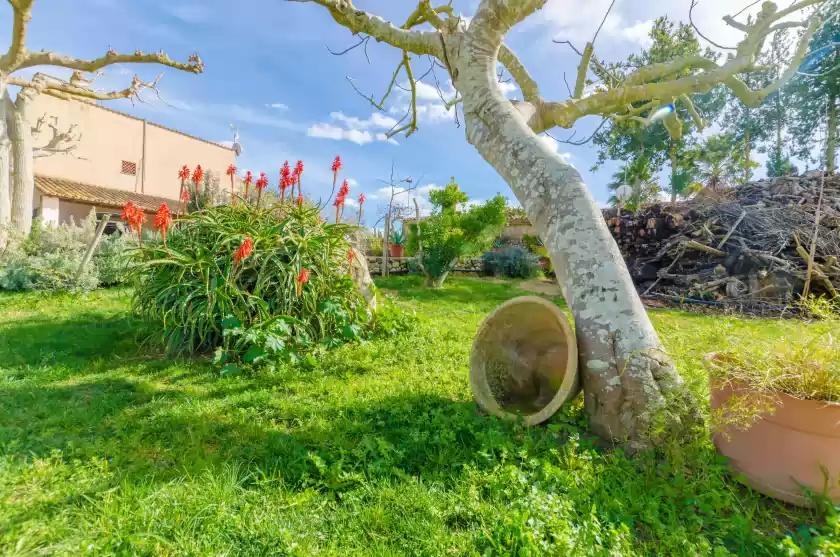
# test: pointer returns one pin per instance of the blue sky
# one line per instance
(268, 72)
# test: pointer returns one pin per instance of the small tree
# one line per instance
(449, 234)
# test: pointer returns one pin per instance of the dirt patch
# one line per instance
(539, 286)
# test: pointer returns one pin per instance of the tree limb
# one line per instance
(17, 50)
(530, 89)
(411, 127)
(360, 21)
(193, 63)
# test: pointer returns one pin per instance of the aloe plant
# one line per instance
(396, 238)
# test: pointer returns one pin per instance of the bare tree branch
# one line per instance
(68, 91)
(362, 40)
(193, 63)
(700, 33)
(411, 127)
(360, 21)
(17, 50)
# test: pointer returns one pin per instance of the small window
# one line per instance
(129, 168)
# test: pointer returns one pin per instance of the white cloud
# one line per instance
(352, 182)
(554, 146)
(376, 120)
(436, 112)
(278, 106)
(508, 88)
(354, 129)
(328, 131)
(384, 137)
(639, 33)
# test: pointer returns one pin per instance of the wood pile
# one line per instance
(748, 245)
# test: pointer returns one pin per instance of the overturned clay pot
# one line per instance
(524, 358)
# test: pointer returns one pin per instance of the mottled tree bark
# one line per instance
(625, 372)
(5, 149)
(831, 139)
(23, 177)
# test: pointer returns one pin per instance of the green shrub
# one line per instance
(513, 262)
(449, 234)
(112, 257)
(251, 311)
(49, 258)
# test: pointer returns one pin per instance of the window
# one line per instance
(129, 168)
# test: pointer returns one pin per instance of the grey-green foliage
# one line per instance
(513, 262)
(49, 258)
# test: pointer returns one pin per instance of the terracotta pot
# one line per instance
(524, 360)
(396, 250)
(794, 446)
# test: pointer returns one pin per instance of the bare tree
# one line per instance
(632, 388)
(15, 130)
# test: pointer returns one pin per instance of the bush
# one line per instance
(513, 262)
(112, 257)
(449, 234)
(288, 296)
(49, 258)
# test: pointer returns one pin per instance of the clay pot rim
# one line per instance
(718, 384)
(721, 383)
(570, 386)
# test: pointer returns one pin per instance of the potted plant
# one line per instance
(397, 242)
(776, 416)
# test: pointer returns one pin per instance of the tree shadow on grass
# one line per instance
(73, 343)
(459, 290)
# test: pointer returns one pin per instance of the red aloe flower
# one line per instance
(351, 255)
(231, 171)
(244, 250)
(303, 278)
(185, 196)
(261, 184)
(286, 173)
(298, 173)
(135, 217)
(299, 200)
(339, 203)
(163, 219)
(128, 212)
(184, 175)
(345, 189)
(248, 179)
(284, 183)
(361, 205)
(336, 166)
(198, 175)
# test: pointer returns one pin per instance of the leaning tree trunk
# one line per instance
(5, 190)
(831, 139)
(23, 178)
(627, 378)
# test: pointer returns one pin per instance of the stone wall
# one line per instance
(404, 265)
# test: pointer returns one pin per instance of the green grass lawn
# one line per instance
(106, 448)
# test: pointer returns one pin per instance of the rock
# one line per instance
(361, 276)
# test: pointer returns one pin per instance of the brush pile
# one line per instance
(750, 245)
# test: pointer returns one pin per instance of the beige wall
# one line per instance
(108, 138)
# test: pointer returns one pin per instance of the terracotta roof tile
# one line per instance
(69, 190)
